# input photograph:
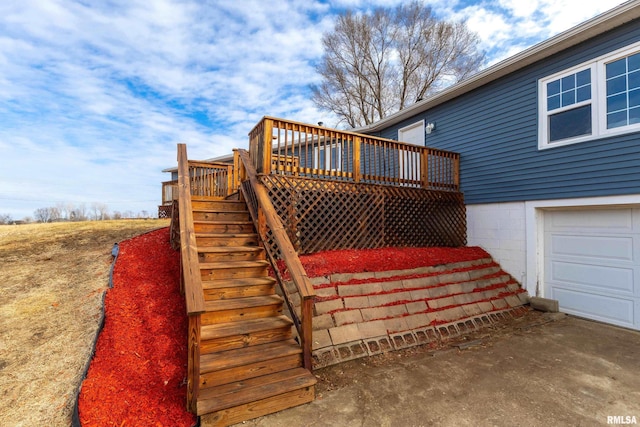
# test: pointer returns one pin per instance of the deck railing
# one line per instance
(211, 179)
(280, 251)
(169, 192)
(290, 148)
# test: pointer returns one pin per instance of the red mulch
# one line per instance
(138, 374)
(384, 259)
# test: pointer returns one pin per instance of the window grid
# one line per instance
(623, 91)
(569, 90)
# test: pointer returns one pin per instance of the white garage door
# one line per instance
(592, 263)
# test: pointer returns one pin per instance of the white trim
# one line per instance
(534, 231)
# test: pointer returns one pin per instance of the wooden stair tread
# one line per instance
(225, 249)
(244, 356)
(216, 210)
(213, 199)
(232, 264)
(225, 235)
(244, 327)
(253, 389)
(246, 302)
(230, 283)
(222, 222)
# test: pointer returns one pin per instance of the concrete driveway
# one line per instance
(540, 370)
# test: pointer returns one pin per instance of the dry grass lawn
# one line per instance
(52, 280)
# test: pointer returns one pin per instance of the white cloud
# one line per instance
(94, 96)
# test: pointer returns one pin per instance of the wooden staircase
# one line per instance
(249, 365)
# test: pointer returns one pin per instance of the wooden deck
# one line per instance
(298, 189)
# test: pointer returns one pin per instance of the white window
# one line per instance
(592, 100)
(412, 134)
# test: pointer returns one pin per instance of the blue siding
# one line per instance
(495, 130)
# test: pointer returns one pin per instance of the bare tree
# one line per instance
(5, 219)
(54, 213)
(42, 215)
(48, 214)
(100, 211)
(376, 64)
(79, 213)
(65, 210)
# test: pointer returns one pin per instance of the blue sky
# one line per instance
(95, 95)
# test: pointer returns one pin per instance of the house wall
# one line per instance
(508, 183)
(494, 128)
(499, 228)
(513, 232)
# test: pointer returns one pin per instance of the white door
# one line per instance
(592, 263)
(412, 134)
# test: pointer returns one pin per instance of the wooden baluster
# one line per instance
(456, 172)
(306, 149)
(357, 142)
(424, 168)
(307, 332)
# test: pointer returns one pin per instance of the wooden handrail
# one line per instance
(202, 163)
(266, 218)
(192, 280)
(324, 153)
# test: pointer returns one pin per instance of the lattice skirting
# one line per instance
(164, 211)
(324, 215)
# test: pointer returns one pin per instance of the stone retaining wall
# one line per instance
(363, 314)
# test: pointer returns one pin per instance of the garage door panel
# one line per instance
(597, 277)
(598, 307)
(592, 262)
(610, 220)
(601, 247)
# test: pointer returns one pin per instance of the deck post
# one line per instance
(193, 363)
(236, 171)
(456, 172)
(357, 149)
(267, 138)
(229, 180)
(307, 333)
(424, 168)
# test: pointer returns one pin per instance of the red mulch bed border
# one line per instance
(137, 376)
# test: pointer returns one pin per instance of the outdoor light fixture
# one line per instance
(430, 127)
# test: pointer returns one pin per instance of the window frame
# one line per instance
(598, 100)
(602, 91)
